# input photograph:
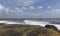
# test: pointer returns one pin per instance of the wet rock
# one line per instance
(51, 26)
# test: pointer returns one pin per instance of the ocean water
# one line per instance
(41, 22)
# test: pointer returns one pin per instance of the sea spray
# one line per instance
(30, 22)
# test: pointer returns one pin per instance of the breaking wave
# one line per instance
(30, 22)
(41, 23)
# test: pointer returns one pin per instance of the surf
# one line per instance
(41, 23)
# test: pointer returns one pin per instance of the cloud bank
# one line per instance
(22, 2)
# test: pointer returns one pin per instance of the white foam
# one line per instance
(2, 21)
(9, 22)
(41, 23)
(31, 22)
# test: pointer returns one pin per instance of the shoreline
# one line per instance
(26, 30)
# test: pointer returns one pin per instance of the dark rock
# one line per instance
(59, 31)
(51, 26)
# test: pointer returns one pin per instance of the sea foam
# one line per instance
(30, 22)
(41, 23)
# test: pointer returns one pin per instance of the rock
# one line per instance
(38, 33)
(27, 30)
(51, 26)
(11, 33)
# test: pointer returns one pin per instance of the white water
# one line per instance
(41, 23)
(31, 22)
(9, 22)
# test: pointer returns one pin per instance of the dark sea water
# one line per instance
(32, 21)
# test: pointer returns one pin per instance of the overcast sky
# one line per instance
(29, 8)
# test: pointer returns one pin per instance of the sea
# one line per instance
(32, 21)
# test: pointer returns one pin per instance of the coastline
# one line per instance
(26, 30)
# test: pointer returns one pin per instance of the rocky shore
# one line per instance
(26, 30)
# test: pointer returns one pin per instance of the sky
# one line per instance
(29, 8)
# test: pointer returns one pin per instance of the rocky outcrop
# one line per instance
(27, 30)
(51, 26)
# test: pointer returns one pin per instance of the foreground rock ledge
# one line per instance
(26, 30)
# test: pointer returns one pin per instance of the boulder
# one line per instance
(51, 26)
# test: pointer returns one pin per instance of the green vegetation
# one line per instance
(26, 30)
